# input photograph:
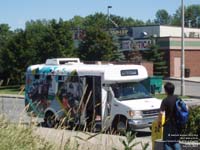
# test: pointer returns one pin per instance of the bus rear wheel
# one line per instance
(50, 120)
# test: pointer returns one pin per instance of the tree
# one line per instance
(191, 16)
(158, 58)
(96, 20)
(5, 36)
(163, 17)
(40, 40)
(76, 22)
(15, 57)
(49, 39)
(134, 56)
(97, 46)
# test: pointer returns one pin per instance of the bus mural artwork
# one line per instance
(39, 83)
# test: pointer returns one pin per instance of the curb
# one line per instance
(186, 80)
(12, 96)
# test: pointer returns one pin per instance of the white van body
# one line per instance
(116, 94)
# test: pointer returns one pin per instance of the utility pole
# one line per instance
(108, 14)
(182, 52)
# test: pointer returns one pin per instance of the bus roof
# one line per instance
(109, 72)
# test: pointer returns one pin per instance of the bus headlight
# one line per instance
(134, 113)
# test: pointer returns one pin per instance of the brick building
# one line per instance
(169, 40)
(172, 48)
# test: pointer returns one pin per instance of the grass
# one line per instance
(17, 89)
(20, 137)
(162, 96)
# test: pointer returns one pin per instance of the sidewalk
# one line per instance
(191, 79)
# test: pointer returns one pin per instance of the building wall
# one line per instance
(149, 67)
(150, 30)
(176, 32)
(164, 31)
(191, 61)
(172, 45)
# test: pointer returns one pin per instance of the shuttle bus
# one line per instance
(67, 91)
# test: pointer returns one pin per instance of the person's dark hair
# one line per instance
(169, 88)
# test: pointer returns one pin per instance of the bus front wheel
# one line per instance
(120, 125)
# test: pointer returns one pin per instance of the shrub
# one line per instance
(193, 125)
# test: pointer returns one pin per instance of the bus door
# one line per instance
(107, 98)
(92, 100)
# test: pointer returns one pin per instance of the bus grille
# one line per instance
(150, 113)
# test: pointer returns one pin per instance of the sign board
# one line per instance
(143, 44)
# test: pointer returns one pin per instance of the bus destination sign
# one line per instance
(131, 72)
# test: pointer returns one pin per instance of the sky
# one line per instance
(16, 13)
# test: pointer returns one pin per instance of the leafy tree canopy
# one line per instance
(97, 45)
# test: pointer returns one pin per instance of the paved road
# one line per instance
(191, 88)
(14, 110)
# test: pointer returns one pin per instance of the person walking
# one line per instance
(171, 130)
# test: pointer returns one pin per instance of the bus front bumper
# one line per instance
(140, 123)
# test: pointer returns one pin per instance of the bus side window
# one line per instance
(37, 76)
(109, 99)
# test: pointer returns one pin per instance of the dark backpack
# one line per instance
(182, 113)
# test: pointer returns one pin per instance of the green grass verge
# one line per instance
(12, 90)
(162, 96)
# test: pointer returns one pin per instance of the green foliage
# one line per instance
(101, 20)
(134, 56)
(162, 17)
(18, 137)
(191, 14)
(129, 143)
(40, 40)
(157, 57)
(97, 45)
(193, 125)
(11, 90)
(76, 22)
(5, 35)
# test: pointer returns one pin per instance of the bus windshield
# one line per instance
(130, 91)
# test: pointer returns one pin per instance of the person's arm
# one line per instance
(161, 113)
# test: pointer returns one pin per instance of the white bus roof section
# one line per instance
(111, 73)
(60, 61)
(125, 73)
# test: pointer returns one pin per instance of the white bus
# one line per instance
(104, 95)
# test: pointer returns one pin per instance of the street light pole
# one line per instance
(182, 52)
(108, 13)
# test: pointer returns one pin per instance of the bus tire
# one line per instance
(50, 120)
(120, 125)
